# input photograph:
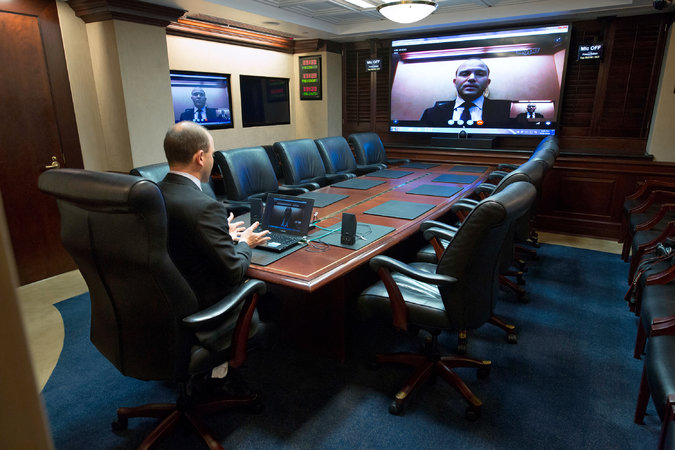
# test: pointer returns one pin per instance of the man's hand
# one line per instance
(235, 228)
(252, 238)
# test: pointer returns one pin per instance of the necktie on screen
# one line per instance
(466, 114)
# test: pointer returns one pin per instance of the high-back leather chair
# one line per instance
(248, 173)
(458, 293)
(369, 149)
(337, 157)
(145, 317)
(302, 163)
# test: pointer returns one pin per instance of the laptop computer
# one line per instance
(287, 219)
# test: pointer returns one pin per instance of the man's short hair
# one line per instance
(183, 140)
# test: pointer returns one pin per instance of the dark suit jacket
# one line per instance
(494, 113)
(199, 240)
(523, 116)
(211, 116)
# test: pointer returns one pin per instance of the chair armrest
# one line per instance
(424, 226)
(496, 175)
(485, 189)
(506, 167)
(397, 161)
(237, 207)
(368, 168)
(663, 326)
(438, 233)
(651, 245)
(654, 197)
(311, 186)
(648, 185)
(337, 177)
(660, 214)
(215, 312)
(292, 190)
(394, 265)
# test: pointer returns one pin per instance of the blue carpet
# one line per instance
(569, 383)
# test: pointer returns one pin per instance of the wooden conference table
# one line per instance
(313, 284)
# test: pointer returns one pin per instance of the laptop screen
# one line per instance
(285, 214)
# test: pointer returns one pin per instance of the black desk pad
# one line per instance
(454, 178)
(264, 257)
(322, 199)
(365, 234)
(472, 169)
(386, 173)
(418, 165)
(358, 183)
(400, 210)
(435, 190)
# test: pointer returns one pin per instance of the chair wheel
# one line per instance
(483, 372)
(119, 424)
(472, 413)
(512, 338)
(395, 408)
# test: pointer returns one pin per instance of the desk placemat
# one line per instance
(400, 210)
(322, 199)
(435, 190)
(418, 165)
(358, 183)
(265, 257)
(454, 178)
(472, 169)
(387, 173)
(365, 234)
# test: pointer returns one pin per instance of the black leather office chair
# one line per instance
(552, 151)
(157, 172)
(369, 149)
(249, 173)
(302, 163)
(337, 157)
(145, 317)
(458, 293)
(531, 172)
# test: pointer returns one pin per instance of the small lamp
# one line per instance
(407, 11)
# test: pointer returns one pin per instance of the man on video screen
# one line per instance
(201, 113)
(471, 106)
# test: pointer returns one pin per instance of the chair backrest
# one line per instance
(474, 255)
(368, 148)
(115, 228)
(336, 154)
(300, 160)
(547, 151)
(157, 172)
(274, 159)
(246, 171)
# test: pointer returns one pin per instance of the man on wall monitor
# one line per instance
(200, 112)
(471, 81)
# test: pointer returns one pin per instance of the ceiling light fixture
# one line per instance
(407, 11)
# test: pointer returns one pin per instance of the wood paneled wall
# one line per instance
(604, 123)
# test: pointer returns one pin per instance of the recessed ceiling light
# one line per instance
(360, 3)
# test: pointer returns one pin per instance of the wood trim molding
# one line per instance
(127, 10)
(230, 35)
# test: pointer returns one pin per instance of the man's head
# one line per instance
(471, 79)
(198, 97)
(531, 107)
(189, 148)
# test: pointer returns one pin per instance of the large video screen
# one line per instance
(494, 83)
(264, 101)
(202, 97)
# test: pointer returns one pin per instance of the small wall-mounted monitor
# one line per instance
(264, 101)
(202, 97)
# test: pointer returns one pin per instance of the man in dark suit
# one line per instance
(210, 251)
(200, 113)
(471, 80)
(530, 114)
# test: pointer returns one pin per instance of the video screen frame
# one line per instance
(218, 92)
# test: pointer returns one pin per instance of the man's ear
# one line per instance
(198, 158)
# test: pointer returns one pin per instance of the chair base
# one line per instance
(173, 413)
(431, 365)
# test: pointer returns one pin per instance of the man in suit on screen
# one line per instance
(471, 106)
(201, 113)
(530, 114)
